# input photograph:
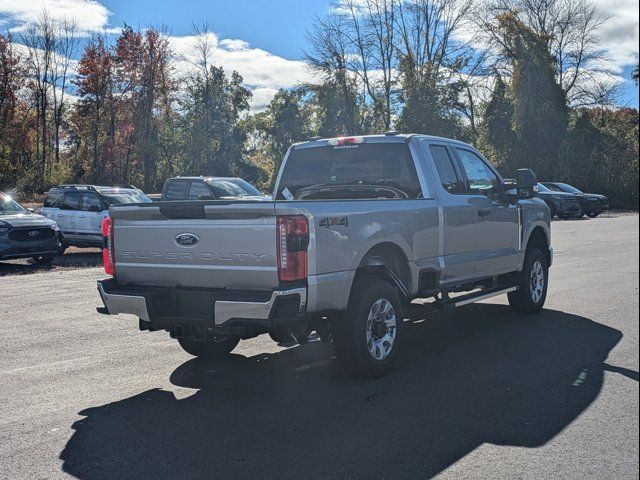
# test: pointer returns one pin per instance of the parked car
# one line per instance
(564, 205)
(592, 204)
(209, 188)
(24, 234)
(80, 209)
(358, 227)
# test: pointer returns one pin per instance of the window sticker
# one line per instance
(287, 194)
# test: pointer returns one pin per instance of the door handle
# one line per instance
(484, 212)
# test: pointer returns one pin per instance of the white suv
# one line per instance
(80, 209)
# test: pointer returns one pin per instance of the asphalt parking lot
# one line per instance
(478, 393)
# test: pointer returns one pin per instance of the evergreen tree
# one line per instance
(496, 136)
(429, 103)
(540, 115)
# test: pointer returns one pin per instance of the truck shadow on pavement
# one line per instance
(478, 375)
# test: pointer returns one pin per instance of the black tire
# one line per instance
(351, 330)
(43, 260)
(212, 349)
(580, 213)
(280, 335)
(593, 214)
(524, 300)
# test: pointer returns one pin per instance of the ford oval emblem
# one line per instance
(187, 239)
(34, 233)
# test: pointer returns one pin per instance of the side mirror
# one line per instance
(31, 210)
(526, 181)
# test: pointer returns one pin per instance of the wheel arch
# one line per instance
(539, 238)
(389, 261)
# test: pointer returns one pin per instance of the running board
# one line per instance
(418, 311)
(481, 295)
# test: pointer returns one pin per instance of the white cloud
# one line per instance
(263, 72)
(89, 15)
(620, 33)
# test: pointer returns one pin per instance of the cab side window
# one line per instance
(71, 201)
(91, 203)
(199, 189)
(480, 178)
(446, 171)
(177, 190)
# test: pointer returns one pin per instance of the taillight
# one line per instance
(108, 255)
(293, 240)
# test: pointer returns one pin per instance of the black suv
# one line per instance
(591, 204)
(80, 209)
(564, 205)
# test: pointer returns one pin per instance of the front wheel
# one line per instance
(367, 338)
(593, 214)
(531, 294)
(218, 347)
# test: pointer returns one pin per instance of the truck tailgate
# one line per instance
(196, 244)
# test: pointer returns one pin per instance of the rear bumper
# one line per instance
(219, 311)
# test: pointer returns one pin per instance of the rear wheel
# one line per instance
(218, 347)
(43, 260)
(280, 335)
(532, 284)
(367, 338)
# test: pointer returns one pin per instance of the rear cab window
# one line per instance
(444, 164)
(176, 190)
(199, 190)
(350, 172)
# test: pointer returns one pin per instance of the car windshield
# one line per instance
(568, 188)
(360, 171)
(10, 207)
(541, 188)
(115, 198)
(232, 187)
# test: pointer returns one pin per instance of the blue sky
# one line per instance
(265, 40)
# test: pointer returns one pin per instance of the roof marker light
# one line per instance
(345, 141)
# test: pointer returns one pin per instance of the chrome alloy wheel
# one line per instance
(381, 329)
(537, 282)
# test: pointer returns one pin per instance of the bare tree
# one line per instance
(572, 30)
(40, 39)
(65, 47)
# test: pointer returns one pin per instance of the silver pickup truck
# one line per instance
(356, 230)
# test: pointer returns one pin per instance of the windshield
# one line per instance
(361, 171)
(568, 188)
(116, 198)
(9, 207)
(232, 187)
(541, 188)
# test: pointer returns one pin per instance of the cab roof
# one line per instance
(389, 137)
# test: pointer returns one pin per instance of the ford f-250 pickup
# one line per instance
(357, 228)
